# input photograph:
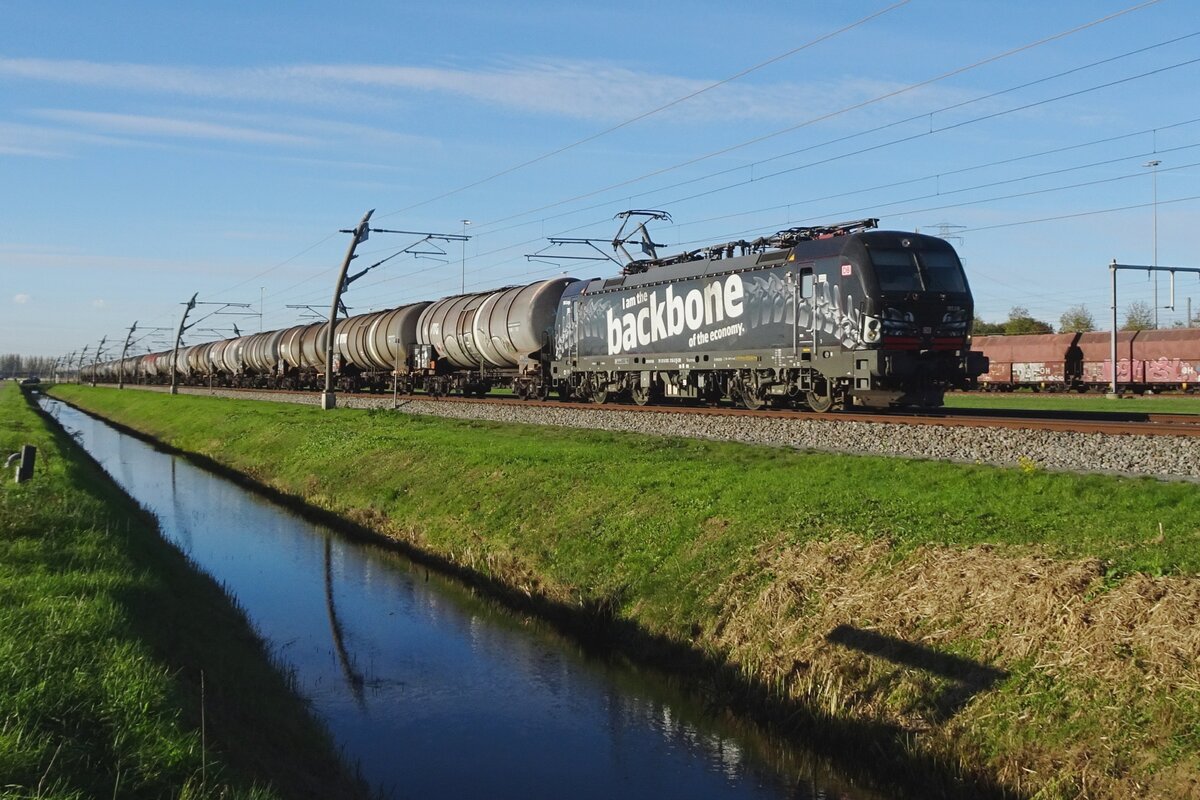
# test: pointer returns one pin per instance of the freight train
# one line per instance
(1153, 360)
(820, 317)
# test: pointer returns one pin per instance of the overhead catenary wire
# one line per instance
(908, 88)
(479, 255)
(645, 115)
(677, 101)
(835, 113)
(959, 124)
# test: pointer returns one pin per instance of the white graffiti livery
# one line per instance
(652, 315)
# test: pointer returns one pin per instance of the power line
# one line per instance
(836, 113)
(1077, 215)
(954, 72)
(993, 115)
(652, 112)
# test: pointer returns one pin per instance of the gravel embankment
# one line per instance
(1166, 457)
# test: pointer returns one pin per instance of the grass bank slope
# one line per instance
(113, 650)
(1040, 629)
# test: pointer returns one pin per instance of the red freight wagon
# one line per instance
(1168, 358)
(1037, 360)
(1042, 360)
(999, 355)
(1096, 369)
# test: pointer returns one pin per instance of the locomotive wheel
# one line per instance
(752, 401)
(600, 396)
(642, 395)
(818, 402)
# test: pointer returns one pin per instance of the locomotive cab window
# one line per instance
(806, 283)
(912, 271)
(942, 271)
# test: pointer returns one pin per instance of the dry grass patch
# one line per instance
(1055, 676)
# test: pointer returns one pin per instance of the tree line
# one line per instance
(14, 365)
(1139, 316)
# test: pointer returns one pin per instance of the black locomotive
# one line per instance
(819, 317)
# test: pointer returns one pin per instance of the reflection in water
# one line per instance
(433, 692)
(353, 679)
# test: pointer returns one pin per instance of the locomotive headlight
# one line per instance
(870, 329)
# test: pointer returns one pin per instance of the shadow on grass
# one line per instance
(970, 677)
(878, 754)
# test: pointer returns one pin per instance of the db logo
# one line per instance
(846, 270)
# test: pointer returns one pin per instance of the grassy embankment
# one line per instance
(124, 673)
(1041, 629)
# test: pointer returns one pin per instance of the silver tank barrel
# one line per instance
(492, 328)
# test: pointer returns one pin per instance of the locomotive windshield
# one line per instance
(917, 270)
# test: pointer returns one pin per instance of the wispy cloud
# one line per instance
(140, 125)
(288, 137)
(21, 299)
(272, 83)
(572, 88)
(43, 141)
(76, 260)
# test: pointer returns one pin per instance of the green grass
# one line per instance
(106, 634)
(1066, 401)
(640, 498)
(687, 538)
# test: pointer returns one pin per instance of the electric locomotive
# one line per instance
(820, 317)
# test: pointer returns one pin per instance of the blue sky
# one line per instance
(153, 150)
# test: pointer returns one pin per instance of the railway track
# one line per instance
(1094, 422)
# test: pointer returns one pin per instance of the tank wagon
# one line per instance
(1154, 360)
(816, 317)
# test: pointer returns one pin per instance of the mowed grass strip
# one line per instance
(106, 634)
(1075, 402)
(1081, 592)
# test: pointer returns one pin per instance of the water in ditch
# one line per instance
(434, 692)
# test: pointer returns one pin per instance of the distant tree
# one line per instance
(1019, 321)
(1076, 319)
(981, 328)
(10, 365)
(1139, 316)
(15, 365)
